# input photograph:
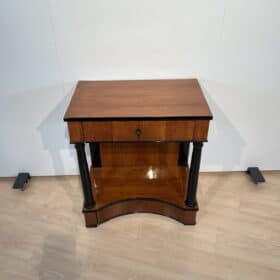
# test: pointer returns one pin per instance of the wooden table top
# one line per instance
(182, 98)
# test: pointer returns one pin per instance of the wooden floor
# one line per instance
(42, 234)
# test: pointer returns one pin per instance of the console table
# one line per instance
(139, 133)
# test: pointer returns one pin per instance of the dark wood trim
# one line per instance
(183, 153)
(94, 217)
(137, 118)
(85, 178)
(193, 174)
(187, 208)
(147, 141)
(95, 154)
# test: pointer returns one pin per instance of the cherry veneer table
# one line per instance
(139, 134)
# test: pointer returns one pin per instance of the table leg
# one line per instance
(183, 153)
(85, 178)
(95, 154)
(193, 175)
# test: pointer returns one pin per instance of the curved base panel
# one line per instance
(139, 177)
(94, 217)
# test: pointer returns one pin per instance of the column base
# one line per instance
(94, 217)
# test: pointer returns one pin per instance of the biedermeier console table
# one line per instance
(139, 134)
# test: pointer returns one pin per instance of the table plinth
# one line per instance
(139, 177)
(140, 158)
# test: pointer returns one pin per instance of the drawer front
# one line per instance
(97, 131)
(169, 130)
(138, 130)
(179, 130)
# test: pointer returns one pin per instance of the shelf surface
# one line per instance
(115, 184)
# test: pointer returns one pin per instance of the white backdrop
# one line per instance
(232, 47)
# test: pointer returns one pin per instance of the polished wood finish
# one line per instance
(75, 131)
(139, 154)
(120, 183)
(138, 130)
(97, 131)
(123, 190)
(130, 206)
(179, 130)
(158, 130)
(139, 134)
(138, 99)
(201, 130)
(90, 218)
(141, 175)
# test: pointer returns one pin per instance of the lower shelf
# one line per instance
(124, 190)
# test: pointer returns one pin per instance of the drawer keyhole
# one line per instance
(138, 132)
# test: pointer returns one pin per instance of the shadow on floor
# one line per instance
(226, 138)
(55, 139)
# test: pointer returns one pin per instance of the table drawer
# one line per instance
(138, 130)
(124, 131)
(158, 130)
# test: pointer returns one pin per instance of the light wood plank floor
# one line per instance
(42, 234)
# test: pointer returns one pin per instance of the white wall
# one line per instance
(231, 46)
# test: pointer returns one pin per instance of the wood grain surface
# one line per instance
(144, 175)
(137, 112)
(147, 130)
(138, 99)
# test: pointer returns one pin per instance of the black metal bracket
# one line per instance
(21, 181)
(255, 175)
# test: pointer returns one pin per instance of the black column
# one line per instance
(85, 178)
(183, 153)
(193, 175)
(95, 154)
